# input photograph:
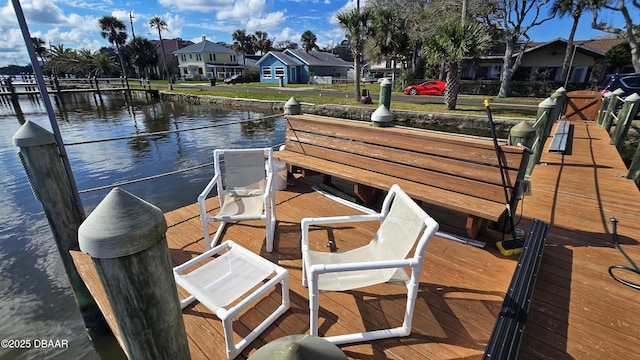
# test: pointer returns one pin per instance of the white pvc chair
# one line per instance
(402, 223)
(219, 281)
(245, 191)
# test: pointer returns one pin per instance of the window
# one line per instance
(233, 58)
(183, 57)
(266, 73)
(279, 71)
(212, 57)
(198, 57)
(190, 56)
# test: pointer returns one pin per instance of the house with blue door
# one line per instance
(301, 67)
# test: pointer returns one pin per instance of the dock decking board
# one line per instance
(577, 311)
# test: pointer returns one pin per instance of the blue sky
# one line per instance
(74, 23)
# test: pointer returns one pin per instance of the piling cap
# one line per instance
(32, 134)
(386, 82)
(121, 225)
(522, 130)
(634, 98)
(382, 116)
(292, 107)
(547, 103)
(618, 92)
(299, 347)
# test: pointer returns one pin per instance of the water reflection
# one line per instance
(35, 301)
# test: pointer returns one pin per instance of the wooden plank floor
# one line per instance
(578, 311)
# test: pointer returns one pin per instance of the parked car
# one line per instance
(629, 83)
(430, 87)
(371, 78)
(236, 79)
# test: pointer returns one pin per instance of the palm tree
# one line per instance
(308, 40)
(114, 31)
(144, 54)
(574, 8)
(450, 44)
(263, 43)
(161, 26)
(39, 48)
(242, 44)
(103, 64)
(389, 36)
(355, 23)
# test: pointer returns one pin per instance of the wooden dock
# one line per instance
(578, 310)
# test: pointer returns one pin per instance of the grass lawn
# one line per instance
(245, 91)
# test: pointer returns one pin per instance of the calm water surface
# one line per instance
(35, 299)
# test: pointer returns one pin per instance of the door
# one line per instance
(582, 105)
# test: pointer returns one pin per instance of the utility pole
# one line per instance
(131, 17)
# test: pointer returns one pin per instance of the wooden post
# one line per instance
(12, 90)
(125, 236)
(544, 113)
(625, 117)
(560, 96)
(51, 187)
(634, 168)
(607, 120)
(524, 135)
(603, 107)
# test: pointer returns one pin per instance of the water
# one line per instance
(35, 300)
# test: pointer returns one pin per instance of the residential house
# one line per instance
(541, 61)
(170, 46)
(207, 60)
(297, 66)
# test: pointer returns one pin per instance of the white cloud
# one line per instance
(241, 9)
(198, 5)
(271, 21)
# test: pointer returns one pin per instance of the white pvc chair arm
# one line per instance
(203, 195)
(317, 269)
(225, 245)
(333, 220)
(269, 187)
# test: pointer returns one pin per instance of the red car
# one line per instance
(431, 87)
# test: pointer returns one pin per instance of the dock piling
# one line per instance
(125, 237)
(52, 188)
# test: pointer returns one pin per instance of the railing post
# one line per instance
(603, 107)
(607, 120)
(634, 168)
(625, 117)
(12, 90)
(125, 237)
(545, 109)
(560, 96)
(523, 135)
(51, 187)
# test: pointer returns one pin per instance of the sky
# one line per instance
(74, 23)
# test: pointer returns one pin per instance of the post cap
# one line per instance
(634, 98)
(386, 82)
(522, 130)
(382, 117)
(121, 225)
(618, 92)
(292, 107)
(32, 134)
(547, 103)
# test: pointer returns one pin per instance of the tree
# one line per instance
(143, 54)
(618, 56)
(308, 40)
(243, 44)
(356, 23)
(39, 48)
(160, 25)
(511, 27)
(285, 44)
(388, 36)
(62, 60)
(114, 31)
(573, 8)
(450, 44)
(103, 64)
(263, 43)
(628, 32)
